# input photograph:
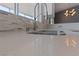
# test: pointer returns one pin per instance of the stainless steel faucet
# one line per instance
(40, 14)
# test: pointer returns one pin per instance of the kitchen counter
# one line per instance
(19, 43)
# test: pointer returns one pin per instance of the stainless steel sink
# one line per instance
(46, 32)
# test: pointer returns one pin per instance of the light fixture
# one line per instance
(70, 42)
(66, 13)
(70, 12)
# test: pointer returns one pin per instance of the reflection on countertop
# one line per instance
(19, 43)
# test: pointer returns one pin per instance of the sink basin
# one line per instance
(46, 32)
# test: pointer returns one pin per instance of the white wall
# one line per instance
(51, 8)
(27, 8)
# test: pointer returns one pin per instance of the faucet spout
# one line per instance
(40, 15)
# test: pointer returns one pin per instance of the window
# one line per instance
(6, 9)
(21, 14)
(9, 7)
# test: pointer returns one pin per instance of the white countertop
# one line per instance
(20, 43)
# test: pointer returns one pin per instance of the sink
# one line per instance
(46, 32)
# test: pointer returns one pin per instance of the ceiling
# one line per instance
(63, 6)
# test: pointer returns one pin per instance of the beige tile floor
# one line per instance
(19, 43)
